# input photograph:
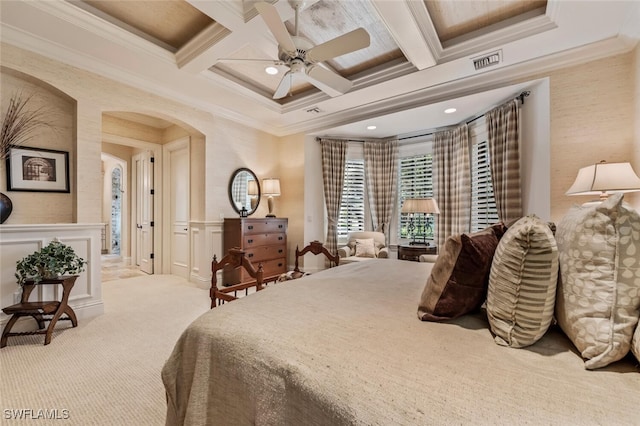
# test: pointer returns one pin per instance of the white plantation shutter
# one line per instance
(415, 181)
(352, 208)
(483, 204)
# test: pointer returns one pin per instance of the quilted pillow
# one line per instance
(458, 281)
(365, 247)
(598, 300)
(522, 283)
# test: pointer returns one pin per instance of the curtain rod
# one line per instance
(521, 96)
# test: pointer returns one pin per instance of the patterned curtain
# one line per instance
(504, 158)
(334, 157)
(381, 170)
(452, 181)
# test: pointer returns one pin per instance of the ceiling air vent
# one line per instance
(314, 110)
(484, 61)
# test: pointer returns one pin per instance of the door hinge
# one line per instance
(152, 224)
(152, 191)
(151, 256)
(152, 159)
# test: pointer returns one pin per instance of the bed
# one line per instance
(345, 346)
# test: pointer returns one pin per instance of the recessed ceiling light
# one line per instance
(271, 70)
(450, 110)
(371, 127)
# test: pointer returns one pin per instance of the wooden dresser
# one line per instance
(264, 240)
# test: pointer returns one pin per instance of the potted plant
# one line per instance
(51, 261)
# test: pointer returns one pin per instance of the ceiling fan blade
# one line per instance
(284, 86)
(341, 45)
(328, 81)
(271, 17)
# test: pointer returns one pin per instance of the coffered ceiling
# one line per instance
(213, 54)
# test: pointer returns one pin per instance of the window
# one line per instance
(483, 203)
(415, 181)
(352, 208)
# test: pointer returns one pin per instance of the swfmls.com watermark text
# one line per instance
(35, 414)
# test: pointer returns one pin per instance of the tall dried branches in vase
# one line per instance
(19, 124)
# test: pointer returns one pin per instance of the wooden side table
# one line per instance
(51, 311)
(413, 252)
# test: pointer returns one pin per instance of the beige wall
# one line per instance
(291, 202)
(58, 110)
(592, 118)
(222, 145)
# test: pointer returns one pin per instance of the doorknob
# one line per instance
(138, 226)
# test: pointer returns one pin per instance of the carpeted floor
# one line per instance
(106, 371)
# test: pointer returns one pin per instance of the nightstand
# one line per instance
(413, 252)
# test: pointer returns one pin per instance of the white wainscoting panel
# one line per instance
(18, 241)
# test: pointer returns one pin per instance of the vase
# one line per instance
(5, 207)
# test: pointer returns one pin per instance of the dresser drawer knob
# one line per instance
(250, 255)
(250, 227)
(279, 238)
(249, 241)
(280, 251)
(280, 226)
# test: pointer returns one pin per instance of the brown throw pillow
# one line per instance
(460, 276)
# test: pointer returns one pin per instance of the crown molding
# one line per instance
(99, 26)
(462, 87)
(201, 43)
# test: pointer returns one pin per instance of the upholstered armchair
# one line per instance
(364, 245)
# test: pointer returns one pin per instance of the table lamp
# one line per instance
(271, 188)
(420, 205)
(605, 178)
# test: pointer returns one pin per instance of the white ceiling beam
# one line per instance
(401, 22)
(240, 28)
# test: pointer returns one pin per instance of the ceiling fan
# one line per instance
(304, 59)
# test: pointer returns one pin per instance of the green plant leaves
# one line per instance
(53, 260)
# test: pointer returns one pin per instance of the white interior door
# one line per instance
(178, 160)
(143, 165)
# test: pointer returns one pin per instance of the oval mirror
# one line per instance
(244, 191)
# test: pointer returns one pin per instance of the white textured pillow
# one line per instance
(365, 247)
(522, 283)
(635, 343)
(598, 301)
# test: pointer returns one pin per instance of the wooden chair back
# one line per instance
(316, 248)
(235, 258)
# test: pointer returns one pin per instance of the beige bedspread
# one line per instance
(345, 346)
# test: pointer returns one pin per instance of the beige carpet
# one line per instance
(106, 371)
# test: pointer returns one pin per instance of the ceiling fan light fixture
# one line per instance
(450, 110)
(271, 70)
(372, 127)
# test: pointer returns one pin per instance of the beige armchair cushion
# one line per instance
(348, 253)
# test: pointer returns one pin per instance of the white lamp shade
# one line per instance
(271, 187)
(252, 189)
(420, 205)
(605, 178)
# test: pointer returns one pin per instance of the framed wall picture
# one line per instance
(37, 170)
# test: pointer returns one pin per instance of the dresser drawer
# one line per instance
(263, 240)
(269, 269)
(266, 252)
(274, 267)
(264, 227)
